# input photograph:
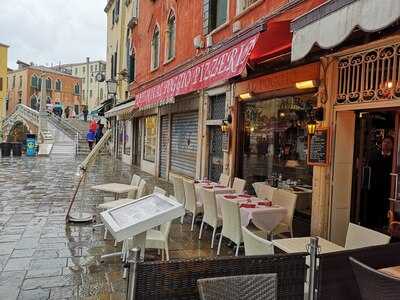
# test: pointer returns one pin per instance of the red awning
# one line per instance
(274, 41)
(222, 66)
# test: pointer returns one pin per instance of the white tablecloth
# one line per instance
(264, 217)
(217, 188)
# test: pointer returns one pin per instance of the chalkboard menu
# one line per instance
(318, 147)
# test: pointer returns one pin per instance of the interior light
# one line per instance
(252, 129)
(389, 84)
(246, 96)
(309, 84)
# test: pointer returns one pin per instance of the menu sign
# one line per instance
(318, 147)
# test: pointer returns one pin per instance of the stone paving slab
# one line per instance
(41, 257)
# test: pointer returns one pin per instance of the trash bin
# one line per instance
(16, 149)
(5, 149)
(31, 146)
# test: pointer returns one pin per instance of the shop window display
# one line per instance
(274, 146)
(150, 137)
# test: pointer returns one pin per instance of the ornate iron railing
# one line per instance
(370, 75)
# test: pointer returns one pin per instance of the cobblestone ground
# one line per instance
(43, 258)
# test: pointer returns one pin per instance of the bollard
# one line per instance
(133, 259)
(313, 251)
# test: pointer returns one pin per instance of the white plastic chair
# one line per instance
(210, 215)
(158, 190)
(179, 191)
(191, 200)
(255, 245)
(135, 182)
(264, 191)
(224, 179)
(231, 224)
(158, 239)
(142, 189)
(288, 200)
(238, 185)
(360, 237)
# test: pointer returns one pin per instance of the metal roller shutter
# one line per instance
(164, 146)
(184, 143)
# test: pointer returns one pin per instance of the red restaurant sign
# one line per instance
(222, 66)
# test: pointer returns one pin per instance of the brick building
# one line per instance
(24, 87)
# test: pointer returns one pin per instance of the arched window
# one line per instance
(39, 84)
(155, 49)
(58, 85)
(34, 81)
(48, 84)
(77, 89)
(171, 36)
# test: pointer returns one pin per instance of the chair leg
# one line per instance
(201, 230)
(219, 244)
(213, 237)
(115, 243)
(237, 249)
(166, 251)
(162, 254)
(182, 219)
(194, 216)
(291, 232)
(105, 233)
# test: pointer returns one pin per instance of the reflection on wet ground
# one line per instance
(43, 258)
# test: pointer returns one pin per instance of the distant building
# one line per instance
(93, 92)
(3, 79)
(24, 85)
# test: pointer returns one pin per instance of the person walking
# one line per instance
(85, 113)
(99, 131)
(91, 138)
(66, 112)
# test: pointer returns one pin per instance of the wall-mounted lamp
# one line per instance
(246, 96)
(226, 123)
(308, 84)
(311, 127)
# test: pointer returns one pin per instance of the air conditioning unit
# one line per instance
(209, 41)
(236, 26)
(198, 42)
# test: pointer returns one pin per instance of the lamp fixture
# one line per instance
(246, 96)
(224, 126)
(111, 87)
(311, 127)
(308, 84)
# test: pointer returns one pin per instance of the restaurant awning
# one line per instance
(122, 109)
(331, 23)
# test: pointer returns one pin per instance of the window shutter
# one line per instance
(206, 16)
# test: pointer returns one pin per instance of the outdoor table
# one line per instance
(299, 245)
(392, 271)
(304, 195)
(115, 188)
(212, 186)
(264, 217)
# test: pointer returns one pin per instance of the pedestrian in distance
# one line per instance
(99, 131)
(85, 113)
(91, 138)
(66, 112)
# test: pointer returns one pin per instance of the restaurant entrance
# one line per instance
(372, 168)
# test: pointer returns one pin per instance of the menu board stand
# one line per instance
(318, 146)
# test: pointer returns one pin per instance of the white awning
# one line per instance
(121, 109)
(331, 23)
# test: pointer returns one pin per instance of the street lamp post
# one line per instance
(43, 102)
(112, 90)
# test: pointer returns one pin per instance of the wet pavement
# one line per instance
(43, 258)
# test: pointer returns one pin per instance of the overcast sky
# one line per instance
(50, 31)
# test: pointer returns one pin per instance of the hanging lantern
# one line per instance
(311, 127)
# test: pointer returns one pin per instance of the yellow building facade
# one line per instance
(3, 79)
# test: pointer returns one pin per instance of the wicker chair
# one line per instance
(135, 182)
(374, 284)
(255, 245)
(249, 287)
(159, 190)
(191, 200)
(179, 191)
(239, 185)
(360, 237)
(210, 215)
(288, 200)
(224, 179)
(264, 191)
(231, 224)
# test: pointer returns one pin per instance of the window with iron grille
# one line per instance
(369, 75)
(244, 4)
(215, 14)
(217, 107)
